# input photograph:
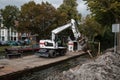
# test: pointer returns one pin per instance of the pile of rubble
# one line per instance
(105, 67)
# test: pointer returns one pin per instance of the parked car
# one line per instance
(21, 42)
(3, 43)
(12, 43)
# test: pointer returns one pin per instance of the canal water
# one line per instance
(54, 72)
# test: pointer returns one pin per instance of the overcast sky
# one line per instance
(82, 8)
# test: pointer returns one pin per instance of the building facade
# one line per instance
(11, 34)
(8, 34)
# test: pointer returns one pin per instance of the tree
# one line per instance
(48, 18)
(91, 28)
(26, 17)
(10, 14)
(37, 18)
(96, 33)
(68, 11)
(105, 9)
(106, 12)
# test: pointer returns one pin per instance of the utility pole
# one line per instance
(115, 29)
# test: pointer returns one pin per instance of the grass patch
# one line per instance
(2, 48)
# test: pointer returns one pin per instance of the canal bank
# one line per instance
(16, 68)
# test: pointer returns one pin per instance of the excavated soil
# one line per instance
(105, 67)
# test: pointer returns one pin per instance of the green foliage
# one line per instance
(26, 16)
(91, 28)
(68, 10)
(37, 18)
(106, 12)
(42, 18)
(107, 40)
(10, 14)
(96, 33)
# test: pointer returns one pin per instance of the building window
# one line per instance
(14, 33)
(14, 38)
(2, 32)
(2, 38)
(11, 38)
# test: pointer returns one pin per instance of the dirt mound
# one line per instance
(105, 67)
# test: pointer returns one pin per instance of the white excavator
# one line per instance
(51, 48)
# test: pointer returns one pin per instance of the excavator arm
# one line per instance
(71, 25)
(75, 30)
(59, 29)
